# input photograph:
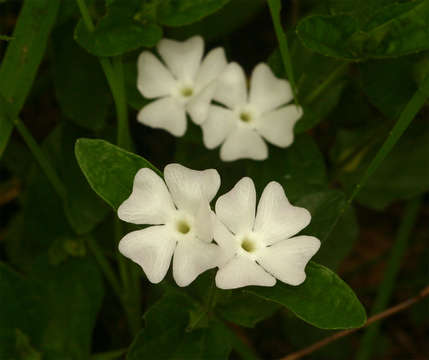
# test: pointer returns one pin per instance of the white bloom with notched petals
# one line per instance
(260, 249)
(184, 83)
(249, 118)
(180, 213)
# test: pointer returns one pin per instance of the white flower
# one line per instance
(181, 217)
(185, 85)
(251, 117)
(260, 249)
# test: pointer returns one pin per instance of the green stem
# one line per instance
(105, 267)
(275, 8)
(393, 266)
(85, 15)
(332, 76)
(41, 159)
(407, 115)
(239, 345)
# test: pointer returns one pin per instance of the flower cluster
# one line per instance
(215, 96)
(251, 245)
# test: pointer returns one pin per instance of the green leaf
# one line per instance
(395, 30)
(109, 170)
(23, 56)
(244, 309)
(184, 12)
(324, 207)
(80, 85)
(165, 335)
(118, 32)
(323, 300)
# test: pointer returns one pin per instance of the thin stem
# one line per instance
(85, 15)
(123, 136)
(105, 267)
(275, 8)
(386, 288)
(239, 344)
(407, 115)
(340, 70)
(385, 314)
(41, 159)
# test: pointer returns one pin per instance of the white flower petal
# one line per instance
(266, 91)
(225, 239)
(191, 258)
(277, 126)
(154, 80)
(218, 125)
(151, 248)
(149, 203)
(211, 67)
(276, 218)
(189, 187)
(183, 58)
(241, 271)
(231, 87)
(198, 106)
(244, 143)
(165, 113)
(287, 259)
(203, 222)
(236, 208)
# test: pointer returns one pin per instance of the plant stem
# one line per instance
(41, 159)
(275, 8)
(386, 288)
(407, 115)
(105, 266)
(385, 314)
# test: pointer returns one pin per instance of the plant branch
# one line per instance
(394, 263)
(275, 8)
(407, 115)
(385, 314)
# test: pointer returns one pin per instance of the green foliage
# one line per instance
(118, 32)
(165, 335)
(395, 30)
(23, 56)
(109, 169)
(323, 300)
(184, 12)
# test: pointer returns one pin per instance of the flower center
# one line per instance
(245, 117)
(183, 227)
(187, 91)
(248, 245)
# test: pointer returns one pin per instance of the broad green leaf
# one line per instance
(109, 170)
(165, 335)
(324, 207)
(118, 32)
(52, 311)
(323, 300)
(395, 30)
(244, 309)
(80, 85)
(23, 56)
(184, 12)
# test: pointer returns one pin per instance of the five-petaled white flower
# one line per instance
(261, 249)
(249, 118)
(185, 85)
(181, 216)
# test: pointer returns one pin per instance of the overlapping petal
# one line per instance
(189, 187)
(276, 218)
(241, 271)
(231, 87)
(198, 107)
(218, 125)
(287, 259)
(212, 65)
(149, 203)
(165, 113)
(151, 248)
